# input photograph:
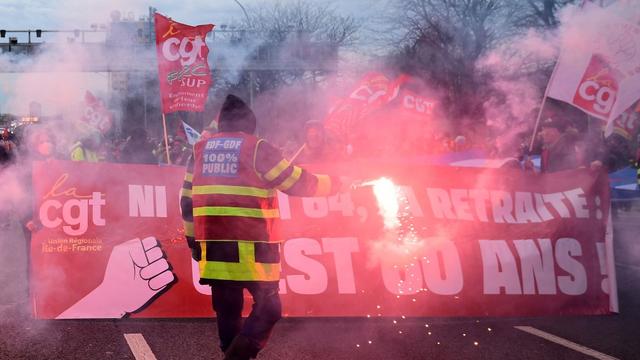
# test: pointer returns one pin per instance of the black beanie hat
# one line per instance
(235, 115)
(555, 122)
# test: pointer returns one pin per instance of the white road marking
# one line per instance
(566, 343)
(139, 347)
(628, 266)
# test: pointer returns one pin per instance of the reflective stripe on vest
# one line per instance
(292, 179)
(235, 211)
(277, 170)
(247, 269)
(78, 153)
(232, 190)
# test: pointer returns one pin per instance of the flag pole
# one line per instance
(544, 101)
(535, 128)
(166, 139)
(298, 152)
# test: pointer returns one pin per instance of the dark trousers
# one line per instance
(228, 300)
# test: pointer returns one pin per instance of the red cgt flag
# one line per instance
(184, 73)
(96, 114)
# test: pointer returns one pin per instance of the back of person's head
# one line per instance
(235, 115)
(313, 124)
(92, 140)
(211, 128)
(555, 121)
(138, 134)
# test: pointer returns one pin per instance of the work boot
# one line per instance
(241, 348)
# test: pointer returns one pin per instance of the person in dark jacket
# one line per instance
(138, 149)
(229, 207)
(559, 146)
(9, 154)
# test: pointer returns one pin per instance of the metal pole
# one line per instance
(252, 84)
(244, 11)
(166, 140)
(295, 156)
(144, 94)
(535, 128)
(544, 100)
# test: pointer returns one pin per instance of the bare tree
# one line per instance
(443, 39)
(301, 33)
(276, 22)
(541, 13)
(292, 45)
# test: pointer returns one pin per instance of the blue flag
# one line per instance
(192, 134)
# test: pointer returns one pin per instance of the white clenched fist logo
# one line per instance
(137, 271)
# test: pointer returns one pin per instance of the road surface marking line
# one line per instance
(139, 347)
(566, 343)
(628, 266)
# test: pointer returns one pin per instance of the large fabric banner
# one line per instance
(183, 69)
(410, 240)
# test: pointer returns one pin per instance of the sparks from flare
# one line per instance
(386, 193)
(401, 239)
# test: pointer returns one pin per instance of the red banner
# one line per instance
(96, 114)
(380, 114)
(462, 242)
(184, 72)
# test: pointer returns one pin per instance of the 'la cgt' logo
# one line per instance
(72, 212)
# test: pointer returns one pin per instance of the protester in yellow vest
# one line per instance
(230, 209)
(86, 149)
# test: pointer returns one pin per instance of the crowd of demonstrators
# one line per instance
(562, 147)
(179, 150)
(321, 145)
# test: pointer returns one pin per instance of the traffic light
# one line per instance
(38, 33)
(3, 33)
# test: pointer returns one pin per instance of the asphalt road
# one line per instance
(329, 338)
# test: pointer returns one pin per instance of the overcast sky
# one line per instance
(81, 14)
(47, 14)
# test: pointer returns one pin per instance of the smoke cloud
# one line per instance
(57, 78)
